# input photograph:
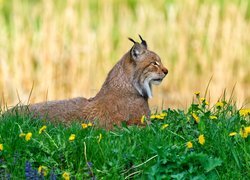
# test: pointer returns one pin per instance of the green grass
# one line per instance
(83, 39)
(149, 152)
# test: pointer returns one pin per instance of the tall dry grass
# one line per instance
(66, 48)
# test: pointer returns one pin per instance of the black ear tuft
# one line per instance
(143, 42)
(132, 40)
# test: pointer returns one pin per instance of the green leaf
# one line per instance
(211, 163)
(201, 125)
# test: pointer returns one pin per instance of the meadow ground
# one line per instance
(203, 142)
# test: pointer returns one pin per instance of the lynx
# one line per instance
(123, 96)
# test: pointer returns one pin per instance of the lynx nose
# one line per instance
(165, 71)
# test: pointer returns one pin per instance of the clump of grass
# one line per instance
(202, 142)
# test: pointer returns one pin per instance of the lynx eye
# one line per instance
(155, 63)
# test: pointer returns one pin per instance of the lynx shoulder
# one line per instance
(123, 96)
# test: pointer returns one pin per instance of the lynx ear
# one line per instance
(137, 50)
(143, 42)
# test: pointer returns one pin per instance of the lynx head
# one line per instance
(148, 68)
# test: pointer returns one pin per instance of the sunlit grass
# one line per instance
(66, 48)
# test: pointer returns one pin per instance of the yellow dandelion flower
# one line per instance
(213, 117)
(42, 129)
(245, 131)
(84, 125)
(189, 145)
(163, 114)
(28, 136)
(164, 126)
(202, 99)
(22, 135)
(196, 118)
(1, 147)
(90, 124)
(201, 139)
(232, 133)
(43, 170)
(197, 93)
(99, 138)
(244, 112)
(66, 176)
(219, 104)
(153, 116)
(159, 117)
(143, 118)
(72, 137)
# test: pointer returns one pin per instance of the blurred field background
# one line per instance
(66, 48)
